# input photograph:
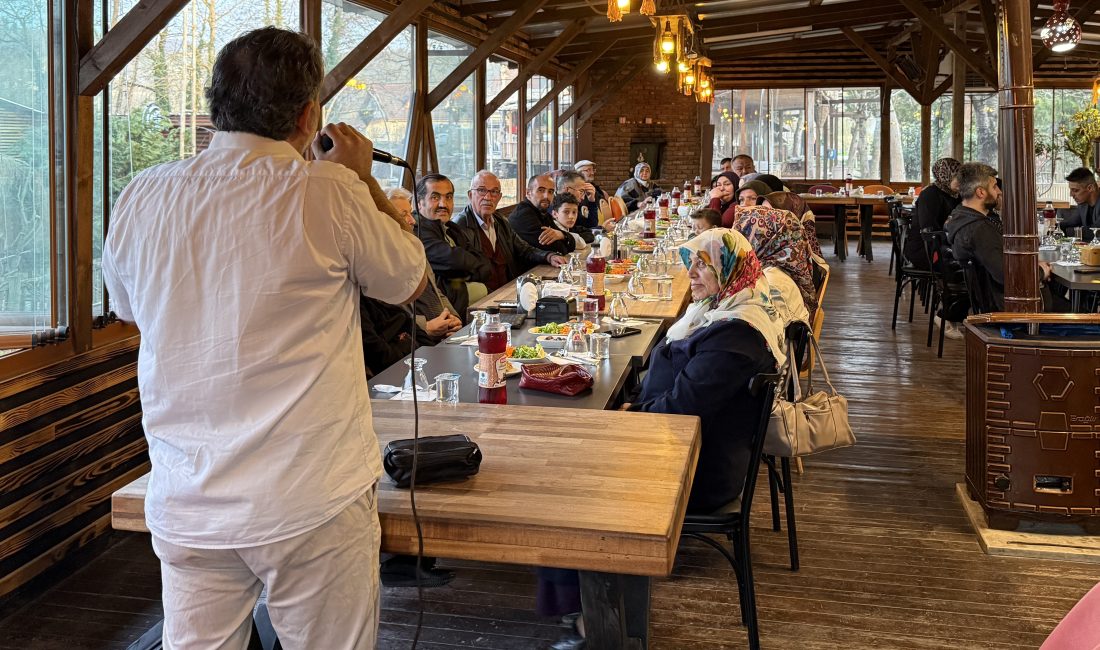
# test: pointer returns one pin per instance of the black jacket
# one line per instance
(1082, 214)
(386, 338)
(707, 374)
(589, 214)
(528, 221)
(974, 237)
(521, 256)
(632, 192)
(453, 264)
(933, 207)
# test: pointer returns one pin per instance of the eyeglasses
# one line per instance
(481, 191)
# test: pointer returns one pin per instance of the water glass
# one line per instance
(477, 319)
(508, 332)
(664, 289)
(1066, 251)
(600, 345)
(618, 312)
(446, 386)
(591, 310)
(819, 192)
(576, 344)
(416, 375)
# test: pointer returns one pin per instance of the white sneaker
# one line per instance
(953, 331)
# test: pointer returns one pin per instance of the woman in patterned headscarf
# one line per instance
(729, 333)
(797, 205)
(934, 205)
(780, 242)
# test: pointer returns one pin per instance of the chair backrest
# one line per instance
(823, 187)
(878, 189)
(821, 273)
(798, 335)
(979, 287)
(761, 386)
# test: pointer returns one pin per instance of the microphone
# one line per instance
(378, 155)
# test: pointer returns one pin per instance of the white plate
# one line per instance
(512, 371)
(550, 341)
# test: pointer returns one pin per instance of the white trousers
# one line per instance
(322, 587)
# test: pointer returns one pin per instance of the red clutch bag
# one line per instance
(569, 379)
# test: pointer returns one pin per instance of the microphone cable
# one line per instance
(416, 436)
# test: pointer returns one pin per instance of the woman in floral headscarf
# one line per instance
(634, 190)
(728, 334)
(780, 243)
(797, 205)
(934, 205)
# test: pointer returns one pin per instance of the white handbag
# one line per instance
(811, 424)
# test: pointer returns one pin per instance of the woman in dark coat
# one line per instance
(934, 206)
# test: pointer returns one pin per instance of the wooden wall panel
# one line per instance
(70, 435)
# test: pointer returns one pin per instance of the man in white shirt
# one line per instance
(242, 267)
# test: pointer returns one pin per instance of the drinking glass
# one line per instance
(508, 332)
(477, 319)
(600, 344)
(819, 192)
(446, 386)
(664, 289)
(1094, 239)
(1066, 251)
(576, 344)
(565, 273)
(617, 311)
(636, 284)
(1058, 232)
(591, 312)
(416, 375)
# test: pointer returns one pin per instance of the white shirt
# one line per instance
(488, 229)
(786, 297)
(241, 267)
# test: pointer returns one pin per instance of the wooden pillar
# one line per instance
(958, 91)
(884, 136)
(1017, 157)
(925, 143)
(480, 117)
(309, 12)
(79, 118)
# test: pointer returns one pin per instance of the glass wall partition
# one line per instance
(453, 119)
(502, 129)
(540, 130)
(566, 143)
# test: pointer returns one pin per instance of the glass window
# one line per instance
(825, 128)
(540, 136)
(26, 286)
(787, 121)
(453, 119)
(941, 129)
(378, 99)
(980, 127)
(905, 138)
(502, 129)
(749, 132)
(566, 134)
(861, 133)
(722, 120)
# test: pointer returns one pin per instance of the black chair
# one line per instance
(779, 478)
(979, 288)
(894, 207)
(949, 299)
(907, 274)
(735, 525)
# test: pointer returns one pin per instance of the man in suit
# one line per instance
(491, 235)
(532, 221)
(1083, 189)
(452, 258)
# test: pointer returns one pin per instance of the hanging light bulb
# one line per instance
(1062, 32)
(662, 66)
(682, 66)
(689, 79)
(624, 6)
(668, 41)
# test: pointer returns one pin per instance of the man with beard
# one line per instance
(587, 169)
(490, 235)
(450, 255)
(973, 236)
(532, 221)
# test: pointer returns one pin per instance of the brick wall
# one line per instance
(647, 110)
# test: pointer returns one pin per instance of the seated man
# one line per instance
(491, 235)
(743, 164)
(452, 258)
(634, 190)
(574, 184)
(532, 222)
(1084, 190)
(587, 169)
(974, 237)
(726, 165)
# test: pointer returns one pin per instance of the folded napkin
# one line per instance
(528, 296)
(421, 395)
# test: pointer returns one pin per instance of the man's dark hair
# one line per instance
(562, 199)
(422, 184)
(262, 80)
(972, 176)
(724, 161)
(744, 156)
(534, 180)
(566, 178)
(713, 217)
(1082, 175)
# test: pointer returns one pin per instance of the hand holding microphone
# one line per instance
(346, 146)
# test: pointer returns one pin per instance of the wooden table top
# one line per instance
(575, 489)
(667, 310)
(1070, 278)
(836, 199)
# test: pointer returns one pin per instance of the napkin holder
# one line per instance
(551, 310)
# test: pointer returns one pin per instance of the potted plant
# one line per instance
(1084, 138)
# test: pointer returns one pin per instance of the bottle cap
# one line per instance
(492, 310)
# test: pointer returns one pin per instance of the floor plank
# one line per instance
(888, 557)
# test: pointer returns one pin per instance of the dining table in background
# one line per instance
(1078, 283)
(602, 492)
(839, 203)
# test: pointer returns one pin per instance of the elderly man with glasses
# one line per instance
(490, 235)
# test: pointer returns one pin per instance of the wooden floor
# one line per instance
(888, 559)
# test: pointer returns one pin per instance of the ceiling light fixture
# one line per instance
(1062, 32)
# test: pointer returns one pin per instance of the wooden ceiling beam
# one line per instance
(482, 52)
(549, 15)
(1082, 14)
(860, 11)
(532, 67)
(930, 65)
(935, 23)
(892, 73)
(498, 7)
(123, 42)
(611, 91)
(597, 37)
(571, 78)
(404, 15)
(594, 87)
(987, 12)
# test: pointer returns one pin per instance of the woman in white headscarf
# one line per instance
(730, 333)
(634, 190)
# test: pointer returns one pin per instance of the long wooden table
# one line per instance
(866, 205)
(604, 492)
(667, 310)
